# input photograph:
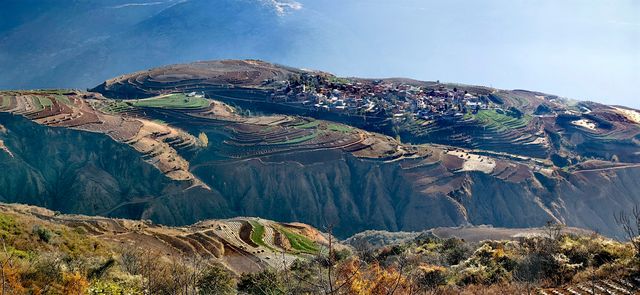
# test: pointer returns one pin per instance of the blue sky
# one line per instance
(588, 50)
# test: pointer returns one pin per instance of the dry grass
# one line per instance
(584, 123)
(631, 115)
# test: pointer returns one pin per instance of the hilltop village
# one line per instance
(381, 98)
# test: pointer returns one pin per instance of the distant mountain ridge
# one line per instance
(100, 39)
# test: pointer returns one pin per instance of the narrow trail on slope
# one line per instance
(608, 168)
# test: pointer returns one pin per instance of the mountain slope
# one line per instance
(321, 172)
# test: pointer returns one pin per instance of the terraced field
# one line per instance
(141, 124)
(500, 121)
(258, 234)
(299, 242)
(41, 102)
(172, 101)
(113, 107)
(223, 241)
(158, 143)
(255, 140)
(621, 286)
(510, 125)
(487, 130)
(198, 76)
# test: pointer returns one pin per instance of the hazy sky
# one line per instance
(582, 49)
(589, 50)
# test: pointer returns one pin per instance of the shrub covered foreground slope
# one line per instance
(44, 252)
(47, 253)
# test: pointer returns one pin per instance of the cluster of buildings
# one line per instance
(381, 98)
(195, 94)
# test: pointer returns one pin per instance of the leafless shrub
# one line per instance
(630, 225)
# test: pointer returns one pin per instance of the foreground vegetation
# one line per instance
(40, 257)
(430, 265)
(43, 258)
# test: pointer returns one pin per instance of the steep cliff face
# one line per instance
(347, 193)
(590, 199)
(71, 171)
(355, 195)
(363, 194)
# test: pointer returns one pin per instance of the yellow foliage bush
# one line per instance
(373, 279)
(74, 283)
(12, 283)
(204, 139)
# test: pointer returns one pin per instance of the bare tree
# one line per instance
(148, 264)
(553, 230)
(334, 283)
(630, 225)
(6, 260)
(323, 276)
(181, 273)
(528, 272)
(48, 267)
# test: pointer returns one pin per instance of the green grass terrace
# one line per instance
(299, 242)
(172, 101)
(494, 119)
